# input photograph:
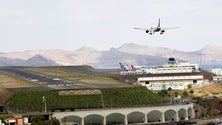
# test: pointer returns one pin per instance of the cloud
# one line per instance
(99, 21)
(11, 13)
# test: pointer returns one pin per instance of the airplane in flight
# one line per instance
(152, 30)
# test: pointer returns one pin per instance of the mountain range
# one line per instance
(129, 53)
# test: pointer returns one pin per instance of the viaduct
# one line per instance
(126, 116)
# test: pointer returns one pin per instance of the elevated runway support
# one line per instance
(126, 115)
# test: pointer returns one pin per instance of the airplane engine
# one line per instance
(162, 31)
(147, 31)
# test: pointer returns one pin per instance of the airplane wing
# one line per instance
(170, 28)
(140, 29)
(164, 29)
(150, 31)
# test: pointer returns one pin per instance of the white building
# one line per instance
(163, 70)
(174, 75)
(218, 74)
(217, 71)
(171, 67)
(132, 72)
(173, 81)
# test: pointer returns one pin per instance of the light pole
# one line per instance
(45, 106)
(44, 100)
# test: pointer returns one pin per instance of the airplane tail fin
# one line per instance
(132, 66)
(159, 23)
(123, 67)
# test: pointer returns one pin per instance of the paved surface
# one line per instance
(56, 83)
(210, 121)
(91, 71)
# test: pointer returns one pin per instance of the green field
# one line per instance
(74, 75)
(109, 98)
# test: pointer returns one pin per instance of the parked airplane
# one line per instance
(136, 67)
(152, 30)
(125, 67)
(128, 67)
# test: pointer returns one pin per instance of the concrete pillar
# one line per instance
(145, 118)
(104, 120)
(60, 121)
(177, 116)
(163, 117)
(186, 117)
(82, 121)
(50, 117)
(192, 113)
(126, 120)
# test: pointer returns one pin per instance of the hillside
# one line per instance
(209, 90)
(108, 98)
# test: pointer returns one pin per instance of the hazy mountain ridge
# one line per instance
(10, 62)
(37, 60)
(128, 53)
(143, 50)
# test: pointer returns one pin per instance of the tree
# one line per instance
(163, 93)
(189, 86)
(191, 91)
(54, 121)
(185, 93)
(169, 89)
(176, 94)
(37, 120)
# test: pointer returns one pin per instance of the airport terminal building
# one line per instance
(174, 75)
(173, 81)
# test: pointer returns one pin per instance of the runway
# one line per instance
(56, 83)
(91, 71)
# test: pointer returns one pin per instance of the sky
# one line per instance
(102, 24)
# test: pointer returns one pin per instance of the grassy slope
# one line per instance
(130, 97)
(208, 90)
(5, 95)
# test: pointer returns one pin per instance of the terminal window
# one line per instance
(194, 81)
